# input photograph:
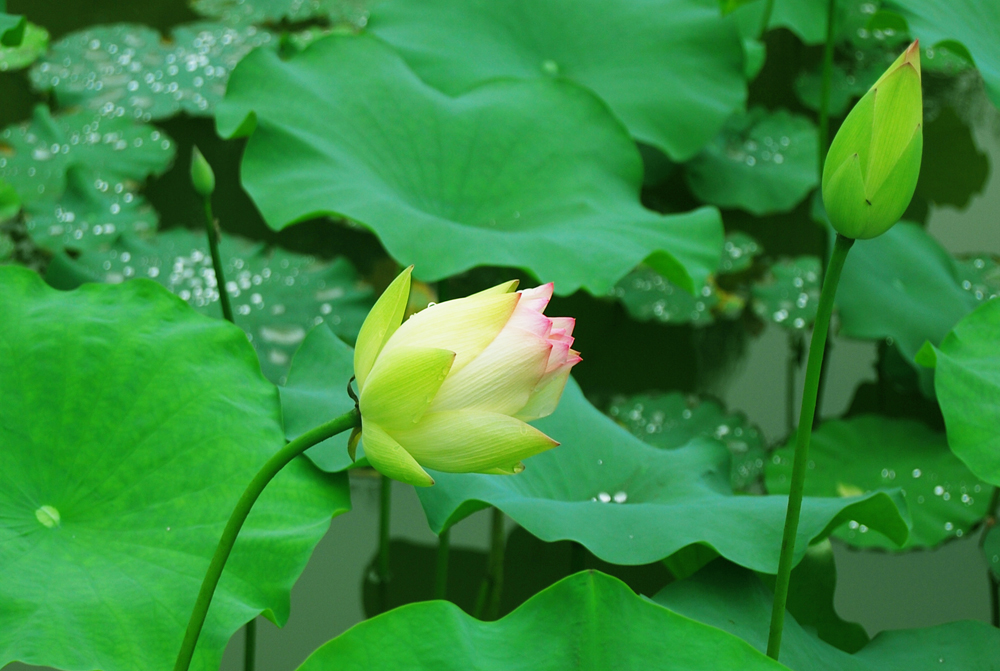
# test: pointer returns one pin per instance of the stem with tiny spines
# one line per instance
(441, 572)
(384, 523)
(213, 246)
(271, 468)
(807, 414)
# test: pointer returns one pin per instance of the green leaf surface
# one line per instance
(12, 29)
(901, 285)
(788, 295)
(980, 276)
(136, 425)
(632, 503)
(734, 600)
(277, 296)
(973, 23)
(529, 566)
(35, 156)
(967, 383)
(531, 174)
(673, 87)
(131, 70)
(810, 599)
(587, 621)
(316, 392)
(991, 550)
(870, 452)
(648, 296)
(248, 12)
(89, 214)
(33, 44)
(673, 420)
(763, 162)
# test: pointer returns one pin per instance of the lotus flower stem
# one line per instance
(806, 415)
(253, 491)
(384, 525)
(250, 646)
(488, 601)
(213, 246)
(441, 572)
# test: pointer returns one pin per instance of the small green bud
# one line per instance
(201, 174)
(871, 170)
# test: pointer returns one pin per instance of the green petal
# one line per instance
(898, 110)
(402, 385)
(509, 469)
(845, 201)
(464, 326)
(390, 459)
(854, 137)
(891, 200)
(545, 398)
(383, 320)
(470, 441)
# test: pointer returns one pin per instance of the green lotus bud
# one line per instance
(874, 161)
(201, 174)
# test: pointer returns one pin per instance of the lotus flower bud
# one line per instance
(452, 387)
(872, 168)
(201, 174)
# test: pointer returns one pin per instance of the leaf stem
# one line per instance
(250, 646)
(220, 276)
(806, 415)
(824, 91)
(766, 18)
(992, 513)
(253, 491)
(441, 572)
(488, 601)
(384, 523)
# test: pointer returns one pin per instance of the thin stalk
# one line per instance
(792, 365)
(441, 572)
(250, 646)
(253, 491)
(488, 601)
(824, 146)
(806, 416)
(384, 520)
(993, 512)
(824, 91)
(220, 277)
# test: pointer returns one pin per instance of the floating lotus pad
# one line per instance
(125, 450)
(530, 174)
(673, 87)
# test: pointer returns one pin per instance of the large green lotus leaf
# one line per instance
(277, 296)
(33, 45)
(632, 503)
(980, 276)
(673, 420)
(788, 295)
(530, 174)
(967, 384)
(246, 12)
(12, 28)
(587, 621)
(734, 600)
(869, 452)
(89, 215)
(648, 296)
(763, 162)
(135, 426)
(35, 156)
(316, 392)
(811, 592)
(991, 550)
(130, 70)
(901, 285)
(973, 23)
(673, 87)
